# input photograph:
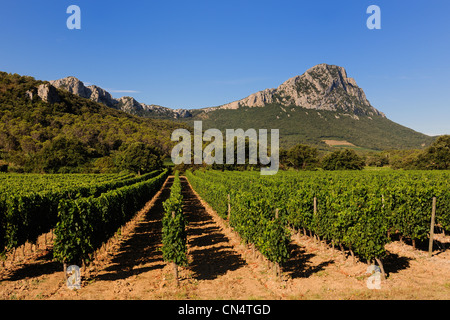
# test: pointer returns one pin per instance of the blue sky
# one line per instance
(197, 53)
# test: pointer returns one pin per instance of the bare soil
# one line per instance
(334, 143)
(220, 267)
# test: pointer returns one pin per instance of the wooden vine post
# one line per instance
(315, 205)
(380, 264)
(65, 271)
(433, 214)
(315, 212)
(229, 208)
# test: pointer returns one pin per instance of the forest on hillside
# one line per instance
(77, 135)
(72, 135)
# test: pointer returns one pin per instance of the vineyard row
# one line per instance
(359, 211)
(25, 214)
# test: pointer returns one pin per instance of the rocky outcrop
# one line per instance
(130, 105)
(100, 95)
(94, 93)
(163, 112)
(46, 92)
(323, 87)
(126, 104)
(73, 85)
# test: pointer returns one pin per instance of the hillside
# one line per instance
(38, 120)
(323, 87)
(321, 104)
(300, 125)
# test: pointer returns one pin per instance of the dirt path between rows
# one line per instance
(220, 267)
(133, 268)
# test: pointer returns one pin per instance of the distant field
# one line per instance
(347, 145)
(337, 143)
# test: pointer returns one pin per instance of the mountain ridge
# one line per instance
(311, 91)
(44, 129)
(126, 103)
(320, 105)
(323, 103)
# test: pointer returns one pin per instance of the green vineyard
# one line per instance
(84, 210)
(358, 210)
(174, 226)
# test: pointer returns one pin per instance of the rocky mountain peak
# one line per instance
(46, 92)
(126, 104)
(77, 87)
(129, 104)
(322, 87)
(73, 85)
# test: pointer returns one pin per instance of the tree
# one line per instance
(63, 155)
(343, 160)
(437, 156)
(91, 130)
(377, 159)
(105, 165)
(3, 166)
(139, 158)
(302, 157)
(403, 159)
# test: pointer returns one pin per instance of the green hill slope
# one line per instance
(36, 116)
(321, 104)
(300, 125)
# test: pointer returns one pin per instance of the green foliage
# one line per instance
(212, 191)
(377, 159)
(254, 219)
(311, 127)
(355, 209)
(343, 160)
(29, 203)
(403, 159)
(273, 242)
(302, 157)
(63, 155)
(139, 158)
(442, 194)
(86, 223)
(174, 236)
(437, 156)
(20, 218)
(252, 216)
(68, 136)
